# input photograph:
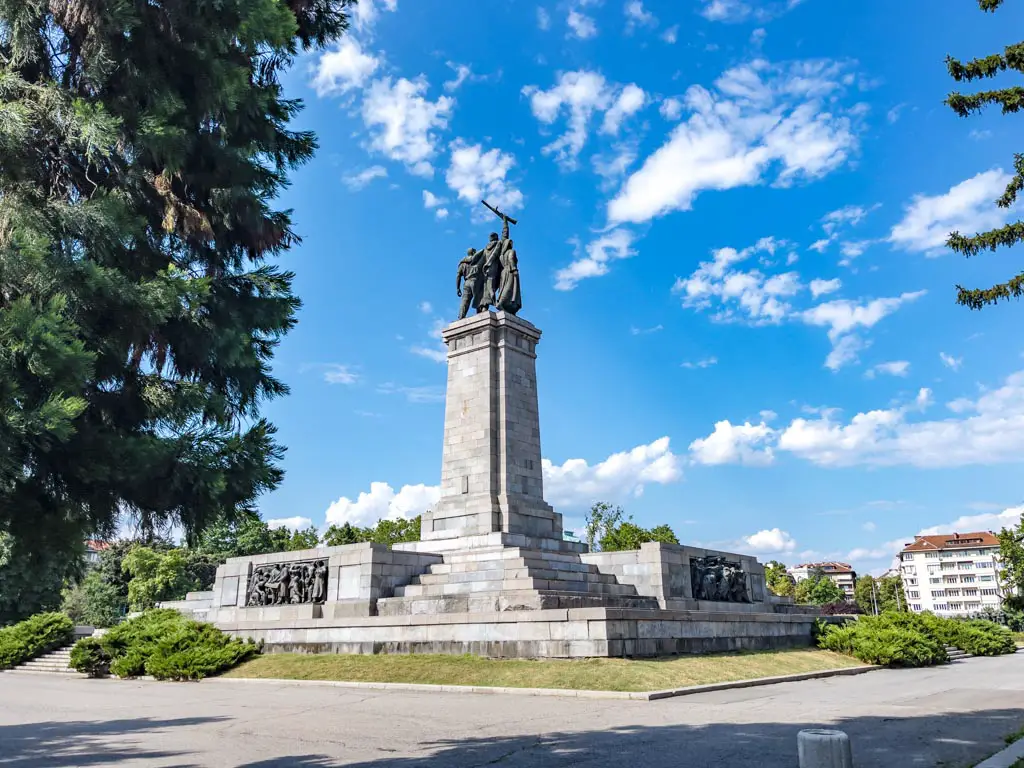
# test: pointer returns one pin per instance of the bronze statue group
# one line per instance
(490, 277)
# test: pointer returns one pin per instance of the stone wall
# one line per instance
(357, 576)
(572, 633)
(662, 571)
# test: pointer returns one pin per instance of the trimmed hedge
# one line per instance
(33, 636)
(164, 644)
(914, 640)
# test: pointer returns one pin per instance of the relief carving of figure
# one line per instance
(715, 578)
(288, 584)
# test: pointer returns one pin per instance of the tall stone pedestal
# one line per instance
(491, 479)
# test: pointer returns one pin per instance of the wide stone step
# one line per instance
(471, 566)
(506, 574)
(512, 585)
(509, 553)
(491, 602)
(59, 673)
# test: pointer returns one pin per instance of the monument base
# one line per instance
(503, 595)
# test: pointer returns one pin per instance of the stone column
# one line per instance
(491, 479)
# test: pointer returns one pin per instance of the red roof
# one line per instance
(97, 545)
(952, 541)
(829, 567)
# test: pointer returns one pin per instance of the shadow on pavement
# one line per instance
(87, 743)
(949, 740)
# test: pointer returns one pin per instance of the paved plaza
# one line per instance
(953, 715)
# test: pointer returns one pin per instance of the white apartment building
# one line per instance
(951, 574)
(841, 573)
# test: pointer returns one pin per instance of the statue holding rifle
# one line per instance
(491, 274)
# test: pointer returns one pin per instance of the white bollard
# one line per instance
(822, 748)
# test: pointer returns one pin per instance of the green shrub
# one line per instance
(89, 656)
(33, 636)
(166, 645)
(876, 642)
(897, 637)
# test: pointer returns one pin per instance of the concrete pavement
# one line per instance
(954, 715)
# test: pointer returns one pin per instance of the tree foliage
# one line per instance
(818, 589)
(609, 529)
(777, 578)
(142, 144)
(882, 595)
(155, 576)
(1011, 561)
(1009, 100)
(32, 580)
(387, 532)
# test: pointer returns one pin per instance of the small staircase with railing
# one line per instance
(56, 662)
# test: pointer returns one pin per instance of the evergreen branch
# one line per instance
(989, 5)
(1011, 99)
(972, 246)
(1009, 197)
(990, 66)
(977, 298)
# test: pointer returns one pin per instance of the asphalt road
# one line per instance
(948, 716)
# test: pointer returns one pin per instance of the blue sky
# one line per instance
(732, 216)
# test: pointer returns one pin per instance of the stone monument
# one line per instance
(493, 573)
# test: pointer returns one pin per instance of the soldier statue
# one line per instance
(490, 277)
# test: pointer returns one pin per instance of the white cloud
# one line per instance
(462, 73)
(751, 294)
(951, 362)
(967, 207)
(638, 16)
(363, 178)
(474, 175)
(431, 353)
(842, 317)
(430, 200)
(339, 374)
(894, 114)
(421, 394)
(581, 26)
(819, 245)
(869, 526)
(850, 215)
(617, 244)
(707, 362)
(991, 521)
(768, 542)
(577, 483)
(894, 368)
(980, 135)
(292, 523)
(426, 307)
(613, 166)
(345, 68)
(760, 121)
(405, 121)
(821, 287)
(733, 11)
(987, 430)
(543, 19)
(441, 213)
(644, 331)
(382, 503)
(630, 100)
(671, 108)
(885, 551)
(580, 95)
(367, 11)
(671, 35)
(735, 444)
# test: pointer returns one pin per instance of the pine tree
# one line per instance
(1010, 100)
(142, 143)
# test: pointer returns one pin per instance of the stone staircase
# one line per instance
(55, 662)
(955, 654)
(510, 579)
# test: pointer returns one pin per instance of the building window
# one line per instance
(964, 566)
(956, 606)
(983, 564)
(985, 578)
(934, 581)
(952, 593)
(914, 595)
(967, 579)
(971, 592)
(915, 607)
(931, 554)
(938, 593)
(911, 582)
(941, 607)
(908, 556)
(948, 566)
(990, 592)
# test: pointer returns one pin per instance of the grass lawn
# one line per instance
(1019, 637)
(583, 674)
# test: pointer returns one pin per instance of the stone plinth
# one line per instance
(491, 479)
